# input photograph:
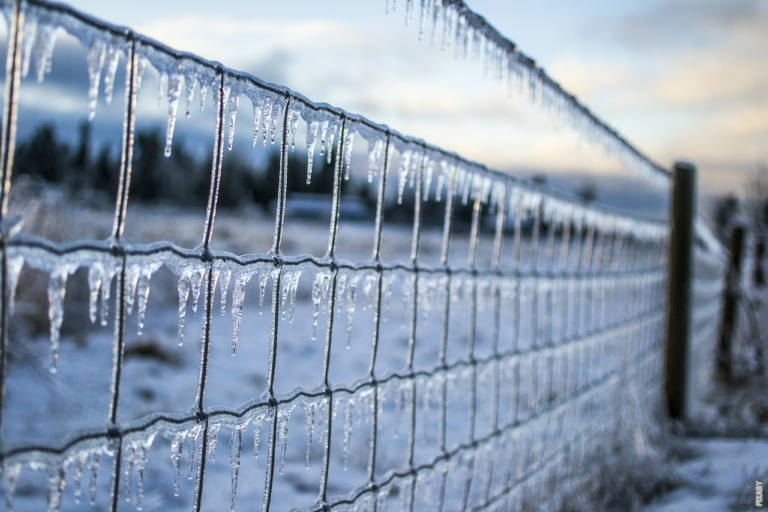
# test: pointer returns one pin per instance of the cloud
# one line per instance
(587, 78)
(688, 23)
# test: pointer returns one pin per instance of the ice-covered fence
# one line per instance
(741, 348)
(532, 340)
(709, 273)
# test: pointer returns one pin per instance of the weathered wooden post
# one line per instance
(724, 364)
(678, 332)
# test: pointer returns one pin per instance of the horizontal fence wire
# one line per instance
(546, 334)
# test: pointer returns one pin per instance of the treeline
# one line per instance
(184, 179)
(179, 179)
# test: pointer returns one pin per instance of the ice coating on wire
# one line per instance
(602, 307)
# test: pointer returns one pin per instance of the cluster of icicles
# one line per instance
(472, 37)
(323, 124)
(546, 432)
(352, 409)
(413, 163)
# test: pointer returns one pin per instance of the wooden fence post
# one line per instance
(759, 276)
(724, 370)
(680, 261)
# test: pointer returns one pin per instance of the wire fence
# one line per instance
(532, 342)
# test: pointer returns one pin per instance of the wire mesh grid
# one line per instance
(546, 350)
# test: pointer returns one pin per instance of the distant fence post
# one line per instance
(724, 369)
(758, 278)
(678, 332)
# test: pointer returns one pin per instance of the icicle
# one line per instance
(309, 424)
(277, 109)
(257, 108)
(266, 116)
(95, 276)
(56, 481)
(375, 150)
(162, 87)
(235, 447)
(425, 5)
(323, 134)
(140, 71)
(318, 293)
(238, 296)
(142, 292)
(15, 264)
(94, 469)
(233, 101)
(10, 477)
(311, 140)
(225, 277)
(406, 499)
(203, 94)
(349, 407)
(341, 287)
(132, 273)
(258, 419)
(262, 290)
(183, 289)
(351, 298)
(77, 475)
(113, 56)
(174, 92)
(369, 288)
(349, 140)
(57, 288)
(286, 282)
(106, 290)
(331, 135)
(130, 457)
(382, 498)
(46, 40)
(405, 168)
(28, 41)
(192, 436)
(408, 16)
(142, 456)
(189, 83)
(176, 447)
(213, 437)
(96, 55)
(294, 126)
(198, 276)
(283, 418)
(293, 291)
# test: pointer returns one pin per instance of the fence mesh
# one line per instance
(496, 351)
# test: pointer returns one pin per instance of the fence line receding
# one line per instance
(544, 339)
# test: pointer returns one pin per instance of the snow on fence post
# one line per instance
(730, 303)
(678, 331)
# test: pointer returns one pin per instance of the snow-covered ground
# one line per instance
(717, 475)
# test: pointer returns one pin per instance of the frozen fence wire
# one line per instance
(556, 359)
(472, 36)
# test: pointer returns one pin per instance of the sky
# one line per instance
(680, 79)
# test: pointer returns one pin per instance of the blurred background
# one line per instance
(678, 78)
